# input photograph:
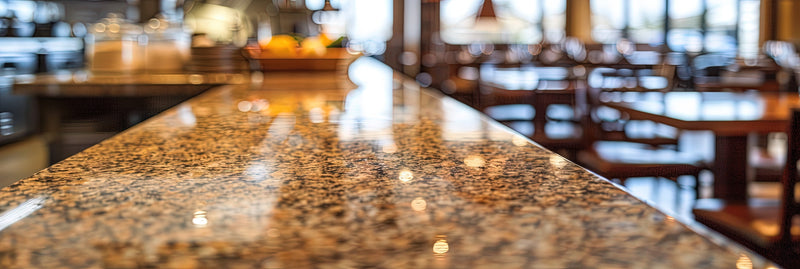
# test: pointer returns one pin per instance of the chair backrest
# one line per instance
(667, 71)
(710, 64)
(790, 207)
(497, 96)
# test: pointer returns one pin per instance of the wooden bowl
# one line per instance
(333, 59)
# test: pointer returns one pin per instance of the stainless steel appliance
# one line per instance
(16, 111)
(21, 56)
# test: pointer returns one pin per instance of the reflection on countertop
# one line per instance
(324, 170)
(77, 83)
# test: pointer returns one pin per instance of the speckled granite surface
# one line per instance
(313, 170)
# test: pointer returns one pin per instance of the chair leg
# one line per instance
(656, 187)
(678, 194)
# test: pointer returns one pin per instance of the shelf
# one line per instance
(36, 44)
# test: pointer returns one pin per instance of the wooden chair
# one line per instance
(767, 226)
(615, 155)
(560, 115)
(519, 104)
(604, 123)
(524, 108)
(622, 160)
(766, 157)
(661, 78)
(608, 126)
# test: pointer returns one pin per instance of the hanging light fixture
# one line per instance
(482, 26)
(487, 10)
(329, 20)
(487, 22)
(328, 6)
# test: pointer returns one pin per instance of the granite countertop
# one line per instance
(330, 170)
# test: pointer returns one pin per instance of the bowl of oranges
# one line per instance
(292, 52)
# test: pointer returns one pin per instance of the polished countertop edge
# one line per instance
(690, 224)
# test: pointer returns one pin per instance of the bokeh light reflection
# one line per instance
(406, 176)
(475, 161)
(419, 204)
(441, 247)
(200, 219)
(245, 106)
(519, 141)
(259, 104)
(558, 161)
(744, 262)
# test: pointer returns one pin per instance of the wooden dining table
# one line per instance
(731, 116)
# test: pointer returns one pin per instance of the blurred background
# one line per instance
(442, 44)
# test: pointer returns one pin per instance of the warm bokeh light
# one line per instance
(441, 247)
(245, 106)
(419, 204)
(196, 79)
(406, 176)
(200, 219)
(558, 161)
(475, 161)
(253, 106)
(519, 141)
(744, 262)
(259, 105)
(766, 228)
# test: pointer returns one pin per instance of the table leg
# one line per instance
(539, 119)
(730, 167)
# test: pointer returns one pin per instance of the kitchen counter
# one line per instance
(362, 169)
(84, 83)
(79, 108)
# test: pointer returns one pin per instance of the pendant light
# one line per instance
(328, 6)
(487, 10)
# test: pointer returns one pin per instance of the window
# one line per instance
(608, 20)
(367, 23)
(718, 26)
(639, 21)
(721, 21)
(748, 28)
(646, 23)
(554, 21)
(686, 25)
